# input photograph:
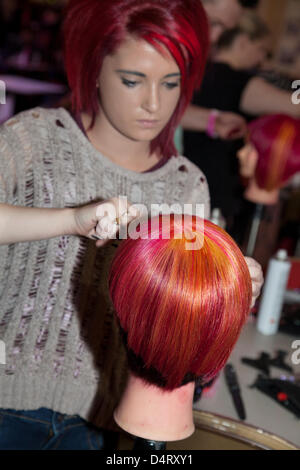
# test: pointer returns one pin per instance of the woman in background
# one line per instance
(230, 84)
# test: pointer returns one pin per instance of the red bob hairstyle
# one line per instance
(95, 28)
(277, 141)
(180, 311)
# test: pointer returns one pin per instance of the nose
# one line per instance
(151, 99)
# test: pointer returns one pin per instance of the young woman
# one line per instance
(132, 68)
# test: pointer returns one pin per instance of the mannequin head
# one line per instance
(277, 142)
(247, 44)
(180, 311)
(97, 33)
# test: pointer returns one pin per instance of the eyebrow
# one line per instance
(139, 74)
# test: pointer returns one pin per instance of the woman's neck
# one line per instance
(134, 156)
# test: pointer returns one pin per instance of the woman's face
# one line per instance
(139, 90)
(253, 52)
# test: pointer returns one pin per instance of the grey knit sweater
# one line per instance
(63, 348)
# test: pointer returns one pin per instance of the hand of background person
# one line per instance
(101, 221)
(230, 126)
(257, 278)
(247, 156)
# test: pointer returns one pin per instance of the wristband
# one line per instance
(211, 124)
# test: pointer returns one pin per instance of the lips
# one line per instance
(147, 123)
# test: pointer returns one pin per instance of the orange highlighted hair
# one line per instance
(180, 310)
(277, 141)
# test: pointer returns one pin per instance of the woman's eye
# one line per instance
(171, 85)
(128, 83)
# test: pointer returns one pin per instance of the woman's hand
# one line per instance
(101, 221)
(248, 157)
(257, 278)
(230, 126)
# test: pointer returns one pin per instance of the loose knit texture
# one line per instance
(63, 347)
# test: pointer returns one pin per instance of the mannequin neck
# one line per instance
(152, 413)
(260, 196)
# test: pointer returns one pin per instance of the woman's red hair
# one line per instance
(95, 28)
(181, 311)
(277, 141)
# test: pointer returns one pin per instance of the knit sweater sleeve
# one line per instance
(7, 166)
(15, 156)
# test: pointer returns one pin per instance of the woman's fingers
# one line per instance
(111, 215)
(257, 278)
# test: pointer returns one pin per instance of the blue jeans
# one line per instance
(44, 429)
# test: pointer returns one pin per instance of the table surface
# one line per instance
(261, 411)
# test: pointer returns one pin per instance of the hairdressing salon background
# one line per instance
(31, 67)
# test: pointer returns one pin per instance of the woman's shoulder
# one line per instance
(37, 126)
(34, 118)
(186, 165)
(28, 131)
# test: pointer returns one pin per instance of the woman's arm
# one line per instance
(195, 118)
(227, 125)
(23, 224)
(260, 97)
(20, 224)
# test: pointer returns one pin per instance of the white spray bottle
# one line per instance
(273, 293)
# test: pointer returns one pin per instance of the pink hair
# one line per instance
(95, 28)
(180, 311)
(277, 141)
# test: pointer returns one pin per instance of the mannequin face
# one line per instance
(248, 157)
(251, 53)
(139, 91)
(222, 15)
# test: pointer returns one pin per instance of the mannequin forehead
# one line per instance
(138, 55)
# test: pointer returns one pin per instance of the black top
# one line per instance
(221, 89)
